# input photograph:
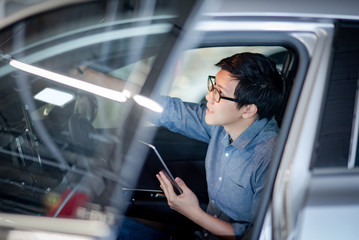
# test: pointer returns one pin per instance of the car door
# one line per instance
(333, 192)
(317, 175)
(72, 158)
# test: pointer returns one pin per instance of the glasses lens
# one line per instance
(211, 88)
(216, 95)
(210, 84)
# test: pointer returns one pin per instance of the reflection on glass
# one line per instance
(53, 96)
(148, 103)
(72, 82)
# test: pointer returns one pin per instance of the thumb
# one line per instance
(180, 183)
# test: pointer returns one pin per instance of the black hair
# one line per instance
(259, 82)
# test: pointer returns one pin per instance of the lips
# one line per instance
(208, 110)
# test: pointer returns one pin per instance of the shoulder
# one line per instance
(264, 143)
(271, 127)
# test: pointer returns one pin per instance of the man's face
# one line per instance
(224, 113)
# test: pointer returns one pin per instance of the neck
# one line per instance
(235, 130)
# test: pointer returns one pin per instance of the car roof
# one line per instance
(323, 9)
(327, 9)
(36, 9)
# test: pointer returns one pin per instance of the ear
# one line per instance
(250, 110)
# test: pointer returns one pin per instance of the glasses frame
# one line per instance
(212, 88)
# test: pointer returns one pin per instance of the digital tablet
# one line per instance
(163, 168)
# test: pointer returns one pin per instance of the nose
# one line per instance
(209, 97)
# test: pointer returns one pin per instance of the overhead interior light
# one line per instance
(72, 82)
(53, 96)
(148, 103)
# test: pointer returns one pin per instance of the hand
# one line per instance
(187, 203)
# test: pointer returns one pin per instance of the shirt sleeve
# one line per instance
(240, 229)
(185, 118)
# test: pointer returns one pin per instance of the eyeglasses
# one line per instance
(216, 93)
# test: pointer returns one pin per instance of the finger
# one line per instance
(160, 180)
(168, 185)
(180, 182)
(162, 184)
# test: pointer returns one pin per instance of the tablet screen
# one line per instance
(160, 165)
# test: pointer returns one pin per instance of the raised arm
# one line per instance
(90, 75)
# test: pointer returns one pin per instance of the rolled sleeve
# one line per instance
(240, 229)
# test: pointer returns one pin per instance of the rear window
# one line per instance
(337, 144)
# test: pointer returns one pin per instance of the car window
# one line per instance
(337, 141)
(62, 122)
(194, 66)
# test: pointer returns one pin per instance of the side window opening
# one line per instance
(195, 65)
(335, 135)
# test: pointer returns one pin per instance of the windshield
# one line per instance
(63, 124)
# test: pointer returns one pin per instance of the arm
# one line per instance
(187, 204)
(92, 76)
(184, 118)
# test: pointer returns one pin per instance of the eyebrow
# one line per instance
(222, 88)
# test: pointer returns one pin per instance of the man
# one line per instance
(238, 123)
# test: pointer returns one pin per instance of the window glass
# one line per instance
(337, 131)
(62, 122)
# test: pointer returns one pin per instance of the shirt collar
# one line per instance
(246, 137)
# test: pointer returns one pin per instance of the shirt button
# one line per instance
(212, 201)
(220, 178)
(227, 154)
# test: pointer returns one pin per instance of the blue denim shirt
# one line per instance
(235, 172)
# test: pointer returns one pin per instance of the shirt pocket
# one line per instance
(239, 192)
(240, 176)
(237, 181)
